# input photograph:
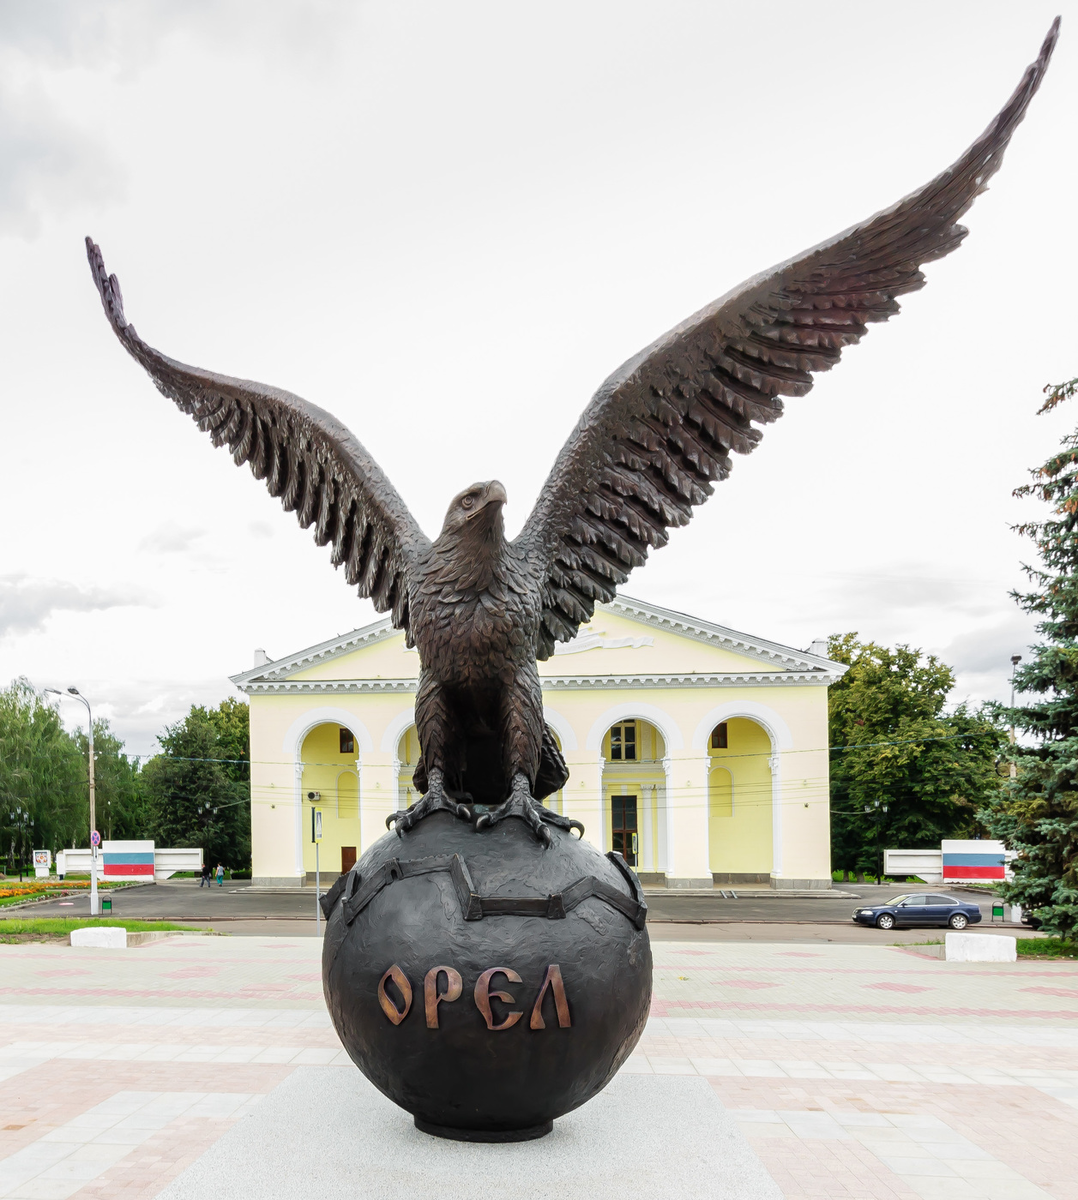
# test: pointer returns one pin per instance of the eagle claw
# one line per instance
(435, 800)
(535, 815)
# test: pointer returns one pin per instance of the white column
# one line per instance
(298, 790)
(666, 819)
(776, 815)
(397, 806)
(647, 857)
(605, 838)
(709, 762)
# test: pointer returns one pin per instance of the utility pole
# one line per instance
(1015, 660)
(95, 904)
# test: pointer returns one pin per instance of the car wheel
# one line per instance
(958, 921)
(885, 921)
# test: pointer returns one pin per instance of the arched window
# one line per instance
(623, 742)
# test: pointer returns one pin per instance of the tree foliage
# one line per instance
(893, 742)
(197, 792)
(121, 812)
(44, 793)
(1037, 814)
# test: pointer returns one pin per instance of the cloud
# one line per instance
(47, 163)
(981, 658)
(50, 162)
(27, 603)
(170, 538)
(908, 587)
(139, 710)
(119, 35)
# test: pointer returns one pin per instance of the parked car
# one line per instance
(919, 908)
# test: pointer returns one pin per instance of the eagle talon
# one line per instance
(536, 816)
(435, 800)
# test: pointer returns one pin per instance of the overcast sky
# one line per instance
(447, 223)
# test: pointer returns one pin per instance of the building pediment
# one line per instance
(628, 643)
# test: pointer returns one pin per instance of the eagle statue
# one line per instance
(481, 608)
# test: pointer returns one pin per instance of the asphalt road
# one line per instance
(238, 908)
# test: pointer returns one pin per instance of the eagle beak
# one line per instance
(493, 494)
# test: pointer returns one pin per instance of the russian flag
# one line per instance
(127, 860)
(972, 859)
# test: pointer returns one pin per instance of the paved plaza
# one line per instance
(854, 1071)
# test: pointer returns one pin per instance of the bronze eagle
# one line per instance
(482, 609)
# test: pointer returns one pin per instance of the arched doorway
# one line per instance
(739, 795)
(329, 757)
(556, 801)
(407, 761)
(633, 784)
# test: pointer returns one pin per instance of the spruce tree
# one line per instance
(1036, 814)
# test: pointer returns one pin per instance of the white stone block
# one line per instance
(101, 937)
(981, 947)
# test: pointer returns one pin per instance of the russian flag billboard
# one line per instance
(972, 859)
(127, 860)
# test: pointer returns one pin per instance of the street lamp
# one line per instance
(1015, 660)
(878, 809)
(95, 905)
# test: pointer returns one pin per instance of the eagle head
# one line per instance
(476, 511)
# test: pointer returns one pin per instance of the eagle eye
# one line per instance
(467, 502)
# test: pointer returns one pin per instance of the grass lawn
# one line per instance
(1046, 947)
(48, 929)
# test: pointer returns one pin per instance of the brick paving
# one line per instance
(856, 1072)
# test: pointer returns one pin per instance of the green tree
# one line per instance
(1037, 813)
(893, 742)
(121, 810)
(196, 793)
(44, 793)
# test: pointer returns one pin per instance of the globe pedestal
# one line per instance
(484, 984)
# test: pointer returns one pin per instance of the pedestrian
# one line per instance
(220, 875)
(204, 878)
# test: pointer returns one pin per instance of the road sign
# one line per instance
(95, 839)
(316, 825)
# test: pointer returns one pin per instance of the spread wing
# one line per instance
(660, 430)
(307, 458)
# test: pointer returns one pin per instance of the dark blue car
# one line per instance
(919, 908)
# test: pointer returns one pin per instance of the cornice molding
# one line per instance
(786, 665)
(554, 683)
(698, 680)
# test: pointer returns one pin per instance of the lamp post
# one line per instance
(95, 904)
(878, 809)
(1015, 660)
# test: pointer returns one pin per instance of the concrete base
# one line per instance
(100, 937)
(726, 879)
(980, 947)
(782, 883)
(327, 1132)
(278, 881)
(683, 882)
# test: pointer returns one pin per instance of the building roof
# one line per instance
(767, 663)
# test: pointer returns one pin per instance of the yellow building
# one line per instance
(699, 752)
